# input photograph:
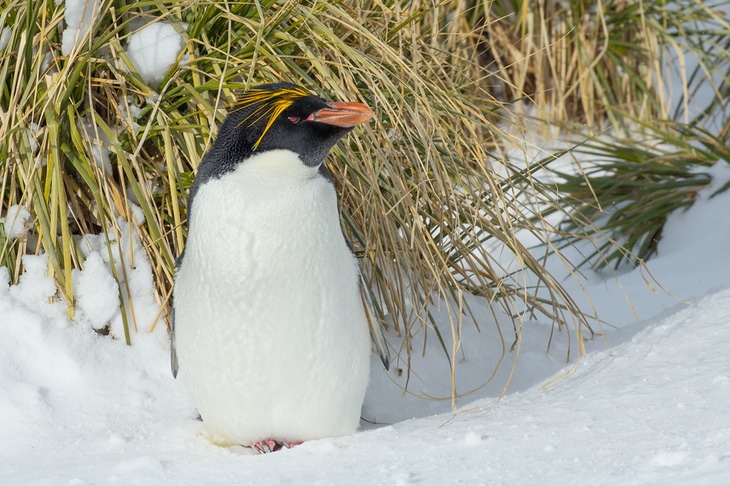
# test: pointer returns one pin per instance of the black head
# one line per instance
(285, 116)
(278, 116)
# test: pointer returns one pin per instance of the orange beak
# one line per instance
(343, 114)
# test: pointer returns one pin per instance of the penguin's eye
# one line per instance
(294, 119)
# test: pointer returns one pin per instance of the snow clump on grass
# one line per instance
(97, 293)
(154, 49)
(16, 221)
(135, 281)
(5, 33)
(98, 141)
(79, 16)
(36, 290)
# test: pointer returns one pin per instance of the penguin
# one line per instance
(272, 323)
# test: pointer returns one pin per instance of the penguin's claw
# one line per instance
(270, 445)
(265, 446)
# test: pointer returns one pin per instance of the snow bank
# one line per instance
(692, 261)
(154, 49)
(61, 381)
(78, 408)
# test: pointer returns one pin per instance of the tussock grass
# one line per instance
(656, 166)
(622, 199)
(579, 60)
(601, 63)
(425, 190)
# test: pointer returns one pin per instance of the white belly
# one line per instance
(271, 336)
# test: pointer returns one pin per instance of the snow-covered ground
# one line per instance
(649, 405)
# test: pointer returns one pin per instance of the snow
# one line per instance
(5, 34)
(16, 221)
(97, 293)
(154, 49)
(647, 405)
(129, 113)
(80, 15)
(95, 290)
(652, 410)
(98, 142)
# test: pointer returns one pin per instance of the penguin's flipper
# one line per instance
(173, 352)
(376, 330)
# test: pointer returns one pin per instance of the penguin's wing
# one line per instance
(376, 330)
(173, 352)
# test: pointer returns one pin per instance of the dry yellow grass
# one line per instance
(424, 190)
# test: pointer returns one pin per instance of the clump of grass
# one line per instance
(600, 63)
(623, 198)
(577, 59)
(641, 175)
(424, 189)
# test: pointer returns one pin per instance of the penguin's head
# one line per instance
(285, 116)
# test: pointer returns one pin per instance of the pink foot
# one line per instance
(270, 445)
(265, 446)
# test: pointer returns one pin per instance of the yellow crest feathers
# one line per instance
(267, 104)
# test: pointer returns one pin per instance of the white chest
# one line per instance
(271, 227)
(267, 306)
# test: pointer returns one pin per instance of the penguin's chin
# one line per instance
(313, 161)
(279, 164)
